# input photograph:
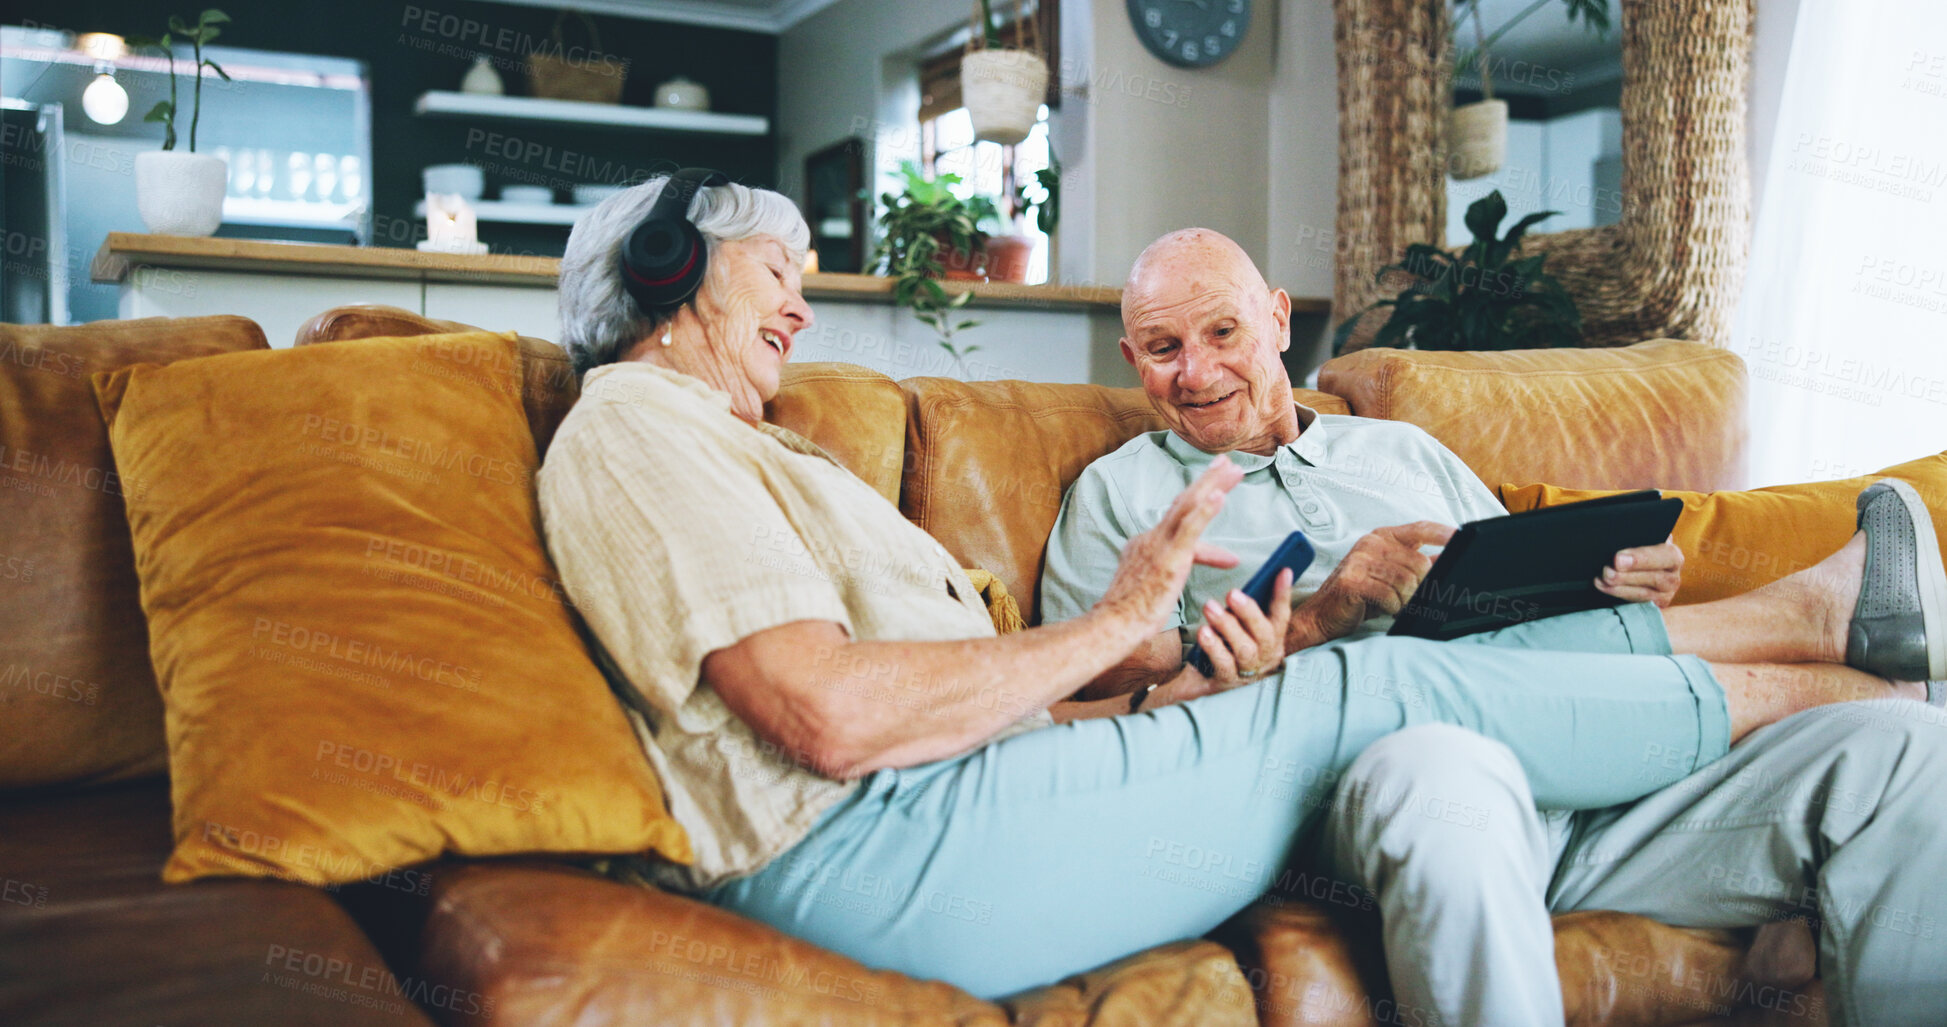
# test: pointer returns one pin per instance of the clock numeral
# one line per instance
(1190, 52)
(1212, 44)
(1170, 37)
(1153, 18)
(1237, 6)
(1229, 29)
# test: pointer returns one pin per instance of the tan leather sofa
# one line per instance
(89, 935)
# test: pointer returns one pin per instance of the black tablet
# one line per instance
(1503, 571)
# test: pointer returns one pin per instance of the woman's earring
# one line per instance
(666, 339)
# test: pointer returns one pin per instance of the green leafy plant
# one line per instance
(992, 32)
(1484, 298)
(1046, 203)
(199, 35)
(918, 224)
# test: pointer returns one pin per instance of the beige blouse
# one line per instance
(678, 530)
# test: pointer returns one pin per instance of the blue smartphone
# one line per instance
(1294, 552)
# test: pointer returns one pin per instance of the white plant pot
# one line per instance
(180, 193)
(1477, 139)
(1003, 90)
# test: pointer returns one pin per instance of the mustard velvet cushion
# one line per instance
(1733, 542)
(364, 658)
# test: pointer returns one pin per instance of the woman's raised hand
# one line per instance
(1156, 564)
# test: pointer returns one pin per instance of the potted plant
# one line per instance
(920, 224)
(1477, 133)
(1484, 298)
(182, 193)
(1009, 254)
(1003, 86)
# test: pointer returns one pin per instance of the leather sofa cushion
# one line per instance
(1306, 966)
(1733, 542)
(1312, 964)
(78, 701)
(1663, 414)
(101, 940)
(551, 944)
(1620, 969)
(857, 415)
(548, 382)
(363, 656)
(1181, 984)
(989, 462)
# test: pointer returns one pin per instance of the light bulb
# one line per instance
(105, 100)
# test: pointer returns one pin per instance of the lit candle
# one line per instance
(442, 219)
(451, 226)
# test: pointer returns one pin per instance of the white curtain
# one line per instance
(1843, 321)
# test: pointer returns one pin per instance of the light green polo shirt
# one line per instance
(1340, 479)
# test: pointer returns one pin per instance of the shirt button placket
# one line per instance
(1310, 506)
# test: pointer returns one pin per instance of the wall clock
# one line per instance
(1191, 33)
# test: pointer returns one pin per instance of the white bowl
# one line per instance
(526, 194)
(464, 179)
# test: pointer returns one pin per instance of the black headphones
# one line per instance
(663, 258)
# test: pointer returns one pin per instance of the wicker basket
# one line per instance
(1477, 139)
(1003, 87)
(594, 78)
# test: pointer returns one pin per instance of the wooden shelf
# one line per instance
(500, 212)
(873, 287)
(123, 251)
(446, 104)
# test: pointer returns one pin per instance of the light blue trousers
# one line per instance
(1060, 850)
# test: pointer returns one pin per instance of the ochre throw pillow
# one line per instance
(1733, 542)
(364, 657)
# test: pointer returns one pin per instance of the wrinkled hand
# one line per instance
(1376, 578)
(1646, 574)
(1156, 563)
(1245, 643)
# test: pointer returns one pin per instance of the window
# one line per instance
(1843, 305)
(947, 146)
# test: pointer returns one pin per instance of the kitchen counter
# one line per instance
(1047, 333)
(122, 252)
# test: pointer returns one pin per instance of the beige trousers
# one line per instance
(1838, 815)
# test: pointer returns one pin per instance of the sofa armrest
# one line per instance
(1663, 414)
(538, 943)
(553, 944)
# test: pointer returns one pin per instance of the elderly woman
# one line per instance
(861, 762)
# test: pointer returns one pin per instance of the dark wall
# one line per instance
(412, 48)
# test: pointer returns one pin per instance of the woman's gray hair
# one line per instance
(600, 321)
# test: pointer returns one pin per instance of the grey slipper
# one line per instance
(1899, 627)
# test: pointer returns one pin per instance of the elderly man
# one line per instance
(1827, 813)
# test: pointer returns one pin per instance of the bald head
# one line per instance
(1206, 334)
(1193, 257)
